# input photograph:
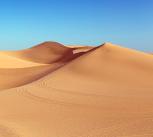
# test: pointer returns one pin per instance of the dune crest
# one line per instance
(46, 53)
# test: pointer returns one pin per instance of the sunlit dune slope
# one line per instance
(7, 61)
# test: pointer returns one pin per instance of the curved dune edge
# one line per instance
(104, 91)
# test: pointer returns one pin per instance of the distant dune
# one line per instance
(47, 52)
(55, 90)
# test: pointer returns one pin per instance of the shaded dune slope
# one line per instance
(11, 78)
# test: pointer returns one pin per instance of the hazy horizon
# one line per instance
(88, 22)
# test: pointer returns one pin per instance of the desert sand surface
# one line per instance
(55, 90)
(7, 61)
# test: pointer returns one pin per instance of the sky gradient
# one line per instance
(24, 23)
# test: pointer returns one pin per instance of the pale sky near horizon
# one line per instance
(24, 23)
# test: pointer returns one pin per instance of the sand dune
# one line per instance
(21, 67)
(46, 53)
(112, 64)
(105, 91)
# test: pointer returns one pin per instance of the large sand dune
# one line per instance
(106, 91)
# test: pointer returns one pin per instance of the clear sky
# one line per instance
(24, 23)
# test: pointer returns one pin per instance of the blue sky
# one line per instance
(24, 23)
